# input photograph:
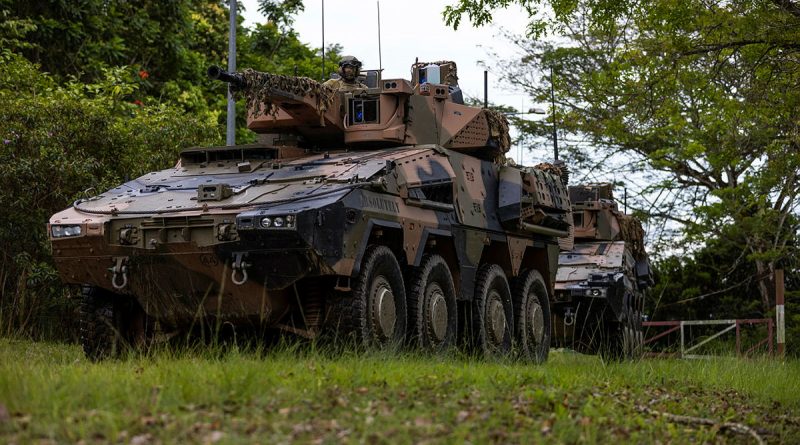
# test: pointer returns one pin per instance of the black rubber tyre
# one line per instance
(532, 317)
(622, 339)
(612, 343)
(111, 324)
(492, 312)
(638, 345)
(432, 311)
(364, 315)
(98, 336)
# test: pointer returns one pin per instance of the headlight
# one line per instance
(595, 292)
(279, 222)
(60, 231)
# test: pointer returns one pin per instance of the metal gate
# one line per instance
(687, 348)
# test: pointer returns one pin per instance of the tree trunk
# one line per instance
(764, 271)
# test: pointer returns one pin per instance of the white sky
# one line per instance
(409, 29)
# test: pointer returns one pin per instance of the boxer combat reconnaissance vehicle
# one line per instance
(383, 215)
(601, 282)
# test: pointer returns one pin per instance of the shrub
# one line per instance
(56, 141)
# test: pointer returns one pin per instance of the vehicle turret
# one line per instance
(429, 109)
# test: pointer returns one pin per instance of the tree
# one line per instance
(705, 93)
(168, 44)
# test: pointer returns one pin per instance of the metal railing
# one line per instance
(687, 349)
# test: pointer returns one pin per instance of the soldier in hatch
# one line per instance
(349, 69)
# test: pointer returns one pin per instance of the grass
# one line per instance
(49, 392)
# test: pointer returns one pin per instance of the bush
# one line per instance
(56, 141)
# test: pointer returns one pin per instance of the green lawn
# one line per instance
(49, 392)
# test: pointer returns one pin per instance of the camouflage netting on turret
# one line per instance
(498, 130)
(632, 233)
(258, 90)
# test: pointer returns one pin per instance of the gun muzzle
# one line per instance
(217, 73)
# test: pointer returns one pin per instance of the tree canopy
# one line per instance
(698, 97)
(96, 91)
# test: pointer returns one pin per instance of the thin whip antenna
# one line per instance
(323, 41)
(230, 133)
(380, 60)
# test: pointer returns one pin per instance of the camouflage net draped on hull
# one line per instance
(631, 232)
(561, 170)
(258, 91)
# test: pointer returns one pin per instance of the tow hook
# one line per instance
(569, 317)
(239, 269)
(120, 269)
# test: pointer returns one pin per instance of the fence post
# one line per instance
(738, 339)
(682, 340)
(779, 314)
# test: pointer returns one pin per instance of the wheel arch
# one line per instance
(378, 231)
(442, 243)
(544, 259)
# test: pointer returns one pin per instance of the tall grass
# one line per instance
(299, 392)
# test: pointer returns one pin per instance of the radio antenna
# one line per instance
(380, 60)
(230, 134)
(323, 42)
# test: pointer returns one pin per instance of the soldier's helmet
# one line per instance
(350, 61)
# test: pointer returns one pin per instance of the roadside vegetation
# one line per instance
(301, 393)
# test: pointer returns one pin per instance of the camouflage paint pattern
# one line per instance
(202, 238)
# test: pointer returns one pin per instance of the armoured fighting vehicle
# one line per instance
(601, 282)
(383, 215)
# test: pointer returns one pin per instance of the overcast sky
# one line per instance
(409, 29)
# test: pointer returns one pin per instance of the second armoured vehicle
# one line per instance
(601, 282)
(382, 214)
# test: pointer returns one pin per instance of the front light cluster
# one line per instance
(595, 292)
(278, 222)
(62, 231)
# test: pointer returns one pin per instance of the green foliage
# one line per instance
(169, 43)
(718, 282)
(280, 12)
(94, 92)
(58, 141)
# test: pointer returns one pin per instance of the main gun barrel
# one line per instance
(217, 73)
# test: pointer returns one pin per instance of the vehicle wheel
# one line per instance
(492, 312)
(532, 317)
(111, 324)
(638, 348)
(621, 338)
(432, 312)
(373, 313)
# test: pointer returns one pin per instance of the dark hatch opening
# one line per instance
(362, 111)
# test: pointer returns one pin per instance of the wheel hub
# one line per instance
(437, 308)
(535, 319)
(496, 318)
(384, 311)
